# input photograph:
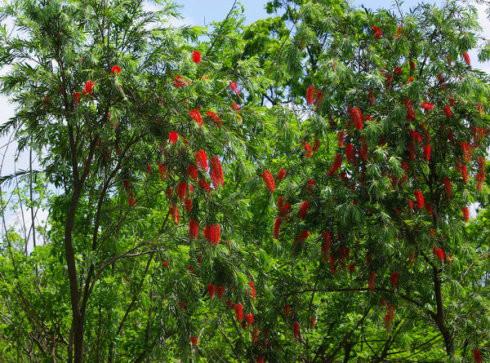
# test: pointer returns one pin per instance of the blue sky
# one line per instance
(200, 12)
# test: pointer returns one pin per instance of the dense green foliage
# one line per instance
(351, 145)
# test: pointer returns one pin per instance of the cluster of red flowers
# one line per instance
(212, 233)
(216, 172)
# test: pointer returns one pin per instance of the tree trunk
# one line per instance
(439, 316)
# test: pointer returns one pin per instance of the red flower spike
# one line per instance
(477, 356)
(88, 87)
(193, 229)
(148, 168)
(249, 318)
(235, 106)
(372, 281)
(327, 243)
(201, 159)
(410, 110)
(447, 187)
(234, 87)
(335, 165)
(427, 106)
(467, 151)
(420, 198)
(398, 70)
(466, 213)
(447, 111)
(311, 94)
(277, 227)
(204, 185)
(308, 150)
(281, 174)
(389, 316)
(260, 359)
(378, 33)
(238, 311)
(467, 59)
(297, 330)
(340, 139)
(357, 118)
(192, 172)
(269, 180)
(174, 212)
(188, 205)
(220, 290)
(350, 153)
(194, 341)
(173, 136)
(196, 56)
(216, 172)
(463, 170)
(76, 97)
(303, 209)
(253, 291)
(427, 152)
(211, 291)
(181, 190)
(212, 233)
(132, 201)
(214, 116)
(165, 263)
(195, 114)
(116, 69)
(394, 277)
(180, 82)
(439, 253)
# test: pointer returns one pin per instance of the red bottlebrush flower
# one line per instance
(467, 151)
(235, 106)
(76, 97)
(126, 184)
(253, 292)
(467, 59)
(303, 209)
(195, 114)
(180, 82)
(390, 315)
(327, 243)
(212, 233)
(201, 159)
(350, 153)
(410, 110)
(249, 318)
(269, 180)
(204, 185)
(428, 208)
(420, 198)
(174, 212)
(173, 136)
(148, 168)
(131, 201)
(416, 136)
(447, 111)
(302, 236)
(211, 291)
(277, 227)
(427, 106)
(192, 171)
(281, 174)
(181, 190)
(260, 359)
(162, 170)
(357, 118)
(165, 263)
(410, 79)
(398, 70)
(308, 150)
(88, 88)
(372, 280)
(477, 356)
(466, 213)
(116, 69)
(378, 33)
(297, 330)
(193, 229)
(310, 185)
(216, 172)
(194, 341)
(340, 139)
(284, 208)
(331, 262)
(234, 87)
(394, 277)
(448, 186)
(220, 290)
(427, 152)
(463, 170)
(188, 205)
(238, 311)
(440, 253)
(335, 165)
(196, 56)
(169, 192)
(311, 94)
(214, 116)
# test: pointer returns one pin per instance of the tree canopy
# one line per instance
(298, 189)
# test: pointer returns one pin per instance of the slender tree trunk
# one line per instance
(439, 316)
